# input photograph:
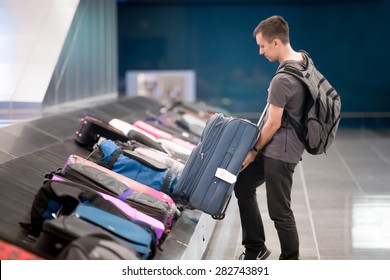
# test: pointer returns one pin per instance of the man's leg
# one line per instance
(279, 178)
(253, 236)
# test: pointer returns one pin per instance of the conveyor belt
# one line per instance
(21, 178)
(30, 150)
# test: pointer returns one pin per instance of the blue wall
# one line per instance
(349, 43)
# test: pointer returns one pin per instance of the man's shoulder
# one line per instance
(297, 64)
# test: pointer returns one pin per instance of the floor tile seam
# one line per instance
(348, 169)
(304, 186)
(238, 243)
(45, 132)
(377, 152)
(8, 154)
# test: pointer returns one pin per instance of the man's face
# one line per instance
(268, 49)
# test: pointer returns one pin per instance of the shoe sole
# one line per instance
(264, 256)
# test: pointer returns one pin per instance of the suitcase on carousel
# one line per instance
(91, 129)
(210, 172)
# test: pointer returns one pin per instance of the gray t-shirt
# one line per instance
(285, 91)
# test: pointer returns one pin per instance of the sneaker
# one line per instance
(262, 255)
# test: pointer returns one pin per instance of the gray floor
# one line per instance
(341, 203)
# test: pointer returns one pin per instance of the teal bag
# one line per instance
(142, 239)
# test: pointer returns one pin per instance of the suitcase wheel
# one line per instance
(218, 217)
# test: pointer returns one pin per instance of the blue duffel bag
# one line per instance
(134, 166)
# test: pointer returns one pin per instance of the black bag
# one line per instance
(49, 202)
(91, 129)
(58, 233)
(321, 115)
(97, 246)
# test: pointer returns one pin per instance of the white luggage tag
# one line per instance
(225, 175)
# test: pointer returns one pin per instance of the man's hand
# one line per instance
(248, 159)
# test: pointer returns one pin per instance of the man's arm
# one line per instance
(270, 127)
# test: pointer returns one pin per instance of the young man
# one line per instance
(277, 151)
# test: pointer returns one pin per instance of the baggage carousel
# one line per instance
(29, 150)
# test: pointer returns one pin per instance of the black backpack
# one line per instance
(97, 246)
(321, 114)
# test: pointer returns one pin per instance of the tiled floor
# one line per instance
(341, 203)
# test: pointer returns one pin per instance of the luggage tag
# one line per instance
(225, 175)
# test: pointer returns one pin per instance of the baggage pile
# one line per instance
(124, 198)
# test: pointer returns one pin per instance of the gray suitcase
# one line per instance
(209, 174)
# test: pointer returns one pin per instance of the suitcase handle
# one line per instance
(260, 122)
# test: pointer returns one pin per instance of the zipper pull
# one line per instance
(201, 156)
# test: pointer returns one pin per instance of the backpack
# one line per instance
(321, 114)
(97, 246)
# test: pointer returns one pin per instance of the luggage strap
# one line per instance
(113, 158)
(125, 194)
(167, 181)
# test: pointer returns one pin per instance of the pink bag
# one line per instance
(160, 134)
(126, 127)
(133, 187)
(133, 213)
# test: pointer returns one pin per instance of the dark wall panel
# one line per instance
(348, 41)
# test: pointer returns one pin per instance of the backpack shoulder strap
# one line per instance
(300, 74)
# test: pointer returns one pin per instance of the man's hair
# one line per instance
(274, 27)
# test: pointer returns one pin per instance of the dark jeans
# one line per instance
(277, 176)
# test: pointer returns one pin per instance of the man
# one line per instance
(277, 151)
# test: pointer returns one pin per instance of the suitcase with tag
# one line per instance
(210, 172)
